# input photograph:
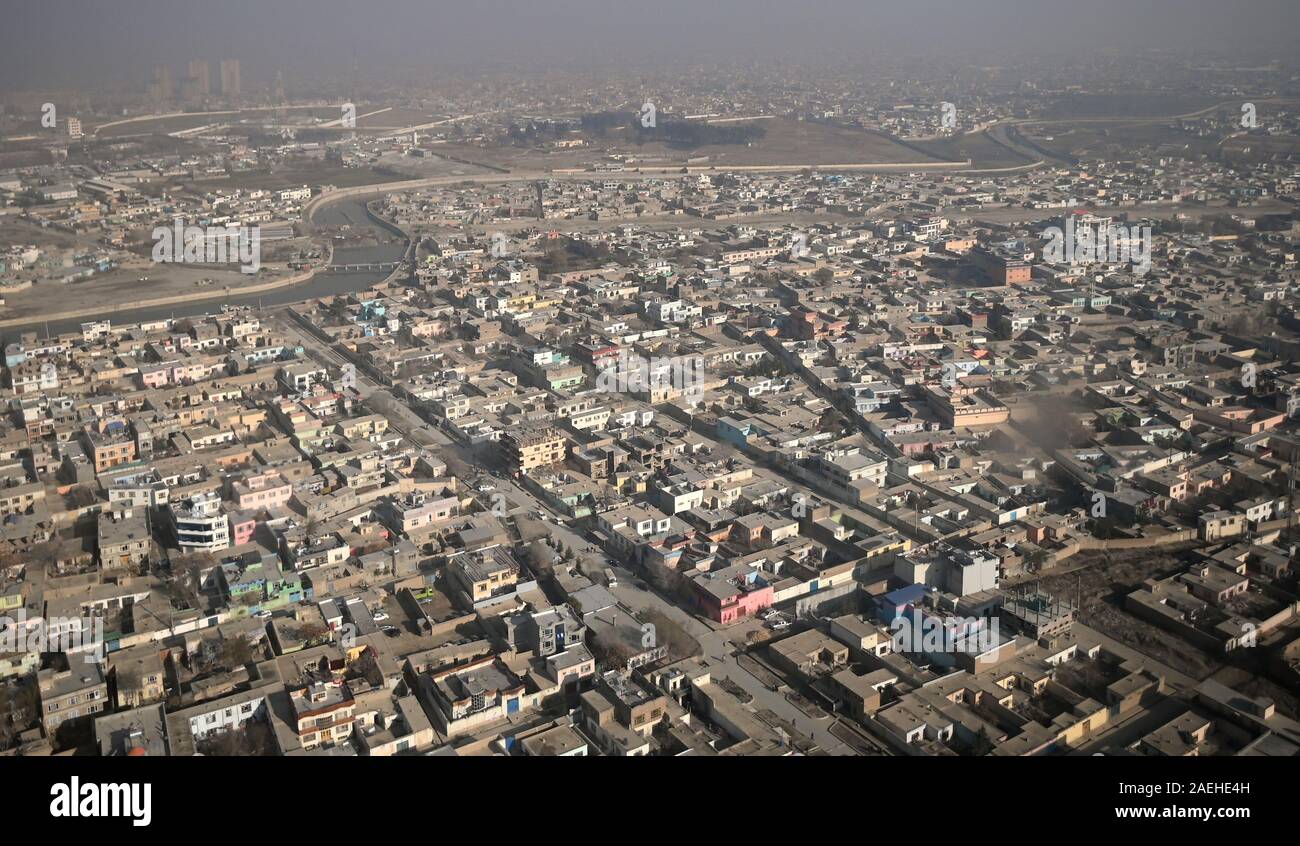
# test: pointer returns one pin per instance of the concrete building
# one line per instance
(74, 693)
(525, 450)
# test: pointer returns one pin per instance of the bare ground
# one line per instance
(1099, 581)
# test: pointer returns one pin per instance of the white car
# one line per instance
(380, 616)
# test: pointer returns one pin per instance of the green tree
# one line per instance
(236, 652)
(982, 745)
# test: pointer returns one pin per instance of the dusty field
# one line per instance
(428, 166)
(1253, 683)
(190, 121)
(123, 288)
(1108, 140)
(787, 143)
(790, 142)
(293, 176)
(1101, 583)
(511, 158)
(22, 232)
(1140, 105)
(982, 151)
(1252, 149)
(25, 153)
(395, 117)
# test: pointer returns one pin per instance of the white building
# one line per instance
(201, 525)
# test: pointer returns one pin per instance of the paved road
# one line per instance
(720, 653)
(715, 642)
(726, 666)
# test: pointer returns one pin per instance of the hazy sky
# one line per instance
(54, 43)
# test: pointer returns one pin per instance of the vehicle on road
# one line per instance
(611, 580)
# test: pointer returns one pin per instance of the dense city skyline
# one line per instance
(649, 380)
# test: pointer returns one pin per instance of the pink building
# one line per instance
(732, 593)
(155, 378)
(242, 528)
